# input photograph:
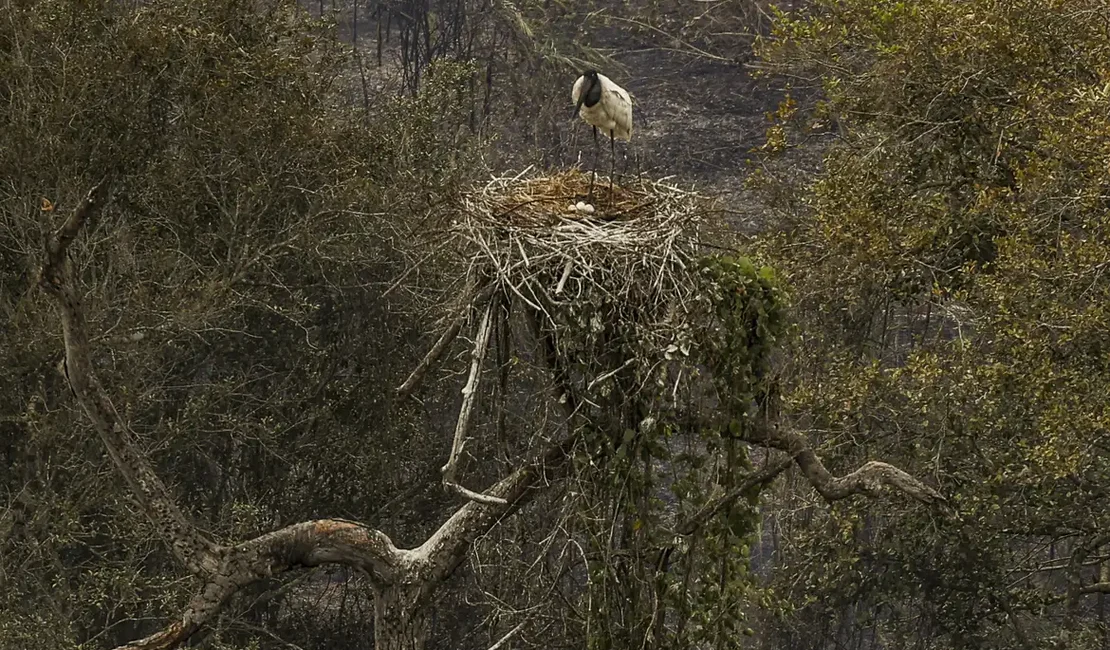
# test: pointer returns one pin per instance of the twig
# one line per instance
(609, 374)
(505, 638)
(566, 274)
(441, 345)
(409, 271)
(475, 496)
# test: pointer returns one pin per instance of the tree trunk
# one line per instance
(400, 617)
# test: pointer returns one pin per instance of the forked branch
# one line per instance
(470, 398)
(442, 343)
(306, 544)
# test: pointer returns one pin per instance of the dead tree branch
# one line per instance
(199, 554)
(448, 546)
(470, 397)
(870, 479)
(507, 636)
(302, 545)
(313, 543)
(442, 343)
(225, 569)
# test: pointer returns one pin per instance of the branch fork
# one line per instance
(470, 398)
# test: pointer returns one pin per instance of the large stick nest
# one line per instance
(631, 262)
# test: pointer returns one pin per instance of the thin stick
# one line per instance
(610, 373)
(505, 638)
(440, 346)
(409, 270)
(433, 355)
(566, 274)
(475, 496)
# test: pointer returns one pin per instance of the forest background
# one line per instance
(909, 198)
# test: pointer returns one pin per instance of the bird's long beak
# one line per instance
(578, 106)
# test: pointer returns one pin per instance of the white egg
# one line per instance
(580, 206)
(587, 208)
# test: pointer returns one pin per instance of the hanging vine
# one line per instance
(646, 336)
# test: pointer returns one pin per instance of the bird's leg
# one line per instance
(624, 165)
(612, 163)
(593, 173)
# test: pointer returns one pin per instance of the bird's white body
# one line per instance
(612, 114)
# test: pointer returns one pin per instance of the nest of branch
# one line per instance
(518, 225)
(626, 307)
(629, 264)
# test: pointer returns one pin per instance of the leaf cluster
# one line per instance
(948, 261)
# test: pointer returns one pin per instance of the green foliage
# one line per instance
(750, 308)
(648, 460)
(949, 262)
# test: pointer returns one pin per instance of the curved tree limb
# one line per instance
(199, 554)
(306, 544)
(225, 569)
(870, 479)
(313, 543)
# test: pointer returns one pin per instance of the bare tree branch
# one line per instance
(442, 343)
(306, 544)
(453, 539)
(447, 547)
(870, 479)
(470, 394)
(199, 554)
(201, 609)
(470, 397)
(507, 636)
(313, 543)
(225, 569)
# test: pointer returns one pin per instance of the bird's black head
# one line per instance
(591, 91)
